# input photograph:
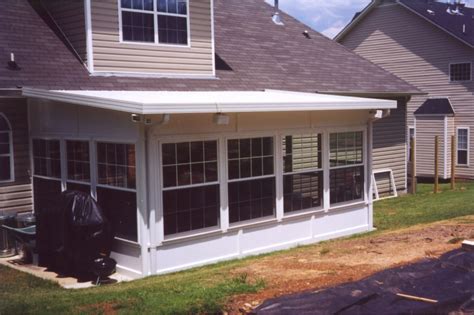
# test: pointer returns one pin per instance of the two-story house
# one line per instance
(206, 129)
(429, 44)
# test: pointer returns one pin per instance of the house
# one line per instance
(206, 129)
(430, 45)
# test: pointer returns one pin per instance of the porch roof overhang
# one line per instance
(189, 102)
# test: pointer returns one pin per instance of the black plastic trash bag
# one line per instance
(73, 233)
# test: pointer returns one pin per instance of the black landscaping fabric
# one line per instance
(449, 280)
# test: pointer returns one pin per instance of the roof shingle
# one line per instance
(261, 55)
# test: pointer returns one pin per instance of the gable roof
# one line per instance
(436, 106)
(259, 55)
(459, 26)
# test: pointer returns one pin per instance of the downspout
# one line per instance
(374, 116)
(151, 246)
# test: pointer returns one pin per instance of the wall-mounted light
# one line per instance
(221, 119)
(12, 65)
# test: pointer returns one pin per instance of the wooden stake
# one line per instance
(413, 165)
(453, 162)
(416, 298)
(436, 165)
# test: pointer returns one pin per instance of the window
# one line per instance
(191, 198)
(460, 71)
(251, 178)
(160, 21)
(463, 146)
(303, 175)
(47, 158)
(411, 136)
(116, 192)
(6, 151)
(47, 173)
(78, 166)
(346, 167)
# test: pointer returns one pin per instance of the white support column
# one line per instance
(326, 164)
(156, 227)
(280, 211)
(368, 180)
(223, 187)
(142, 202)
(93, 163)
(63, 163)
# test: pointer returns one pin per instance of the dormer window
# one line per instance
(158, 22)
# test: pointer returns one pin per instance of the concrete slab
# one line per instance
(15, 262)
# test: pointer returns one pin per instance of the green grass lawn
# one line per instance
(205, 289)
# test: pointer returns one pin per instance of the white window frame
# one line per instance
(307, 170)
(10, 154)
(460, 63)
(276, 174)
(468, 145)
(363, 164)
(155, 14)
(162, 189)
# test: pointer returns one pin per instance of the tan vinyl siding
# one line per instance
(427, 128)
(110, 55)
(419, 53)
(389, 149)
(69, 15)
(16, 196)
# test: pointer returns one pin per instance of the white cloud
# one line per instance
(333, 30)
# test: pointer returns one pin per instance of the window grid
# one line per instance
(460, 72)
(47, 158)
(303, 175)
(346, 171)
(116, 165)
(6, 151)
(161, 21)
(251, 178)
(78, 161)
(463, 146)
(191, 188)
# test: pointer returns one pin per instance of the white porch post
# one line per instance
(142, 203)
(280, 211)
(369, 191)
(224, 210)
(326, 171)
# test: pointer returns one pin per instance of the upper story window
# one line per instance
(159, 21)
(6, 150)
(460, 72)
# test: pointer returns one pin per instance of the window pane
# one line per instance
(182, 7)
(120, 208)
(46, 158)
(138, 27)
(5, 168)
(346, 148)
(78, 160)
(250, 157)
(302, 191)
(172, 29)
(194, 163)
(462, 158)
(191, 209)
(116, 165)
(347, 184)
(460, 72)
(462, 139)
(301, 152)
(251, 199)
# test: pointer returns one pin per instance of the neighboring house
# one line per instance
(430, 45)
(205, 129)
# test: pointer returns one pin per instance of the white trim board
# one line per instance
(189, 102)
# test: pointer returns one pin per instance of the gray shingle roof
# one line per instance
(460, 26)
(262, 55)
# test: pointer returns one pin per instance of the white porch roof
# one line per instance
(167, 102)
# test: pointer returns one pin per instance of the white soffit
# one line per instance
(164, 102)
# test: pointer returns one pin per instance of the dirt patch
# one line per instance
(333, 263)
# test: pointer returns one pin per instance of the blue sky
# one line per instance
(326, 16)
